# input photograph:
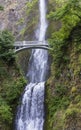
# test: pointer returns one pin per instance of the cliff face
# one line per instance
(63, 88)
(12, 13)
(19, 17)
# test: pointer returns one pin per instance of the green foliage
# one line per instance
(60, 90)
(72, 117)
(66, 8)
(59, 51)
(57, 102)
(6, 47)
(11, 85)
(5, 113)
(58, 120)
(14, 90)
(1, 8)
(31, 11)
(9, 99)
(74, 90)
(31, 6)
(69, 14)
(3, 72)
(65, 84)
(78, 98)
(60, 100)
(21, 21)
(72, 113)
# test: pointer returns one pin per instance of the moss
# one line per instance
(73, 90)
(72, 117)
(78, 98)
(72, 113)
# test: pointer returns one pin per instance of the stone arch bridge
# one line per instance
(23, 45)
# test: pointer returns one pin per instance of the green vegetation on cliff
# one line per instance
(63, 88)
(63, 91)
(30, 20)
(1, 8)
(11, 81)
(6, 47)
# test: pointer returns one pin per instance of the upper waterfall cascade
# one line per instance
(30, 115)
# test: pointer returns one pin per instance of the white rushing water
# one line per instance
(30, 115)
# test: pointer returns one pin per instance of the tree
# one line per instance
(6, 46)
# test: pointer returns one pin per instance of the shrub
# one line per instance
(5, 112)
(60, 90)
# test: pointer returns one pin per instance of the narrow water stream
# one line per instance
(30, 115)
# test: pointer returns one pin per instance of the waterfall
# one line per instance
(43, 21)
(30, 115)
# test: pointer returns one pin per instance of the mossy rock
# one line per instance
(72, 119)
(73, 90)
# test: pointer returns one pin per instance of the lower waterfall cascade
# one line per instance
(30, 115)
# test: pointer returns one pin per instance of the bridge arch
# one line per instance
(30, 47)
(23, 45)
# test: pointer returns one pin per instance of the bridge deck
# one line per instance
(23, 45)
(30, 42)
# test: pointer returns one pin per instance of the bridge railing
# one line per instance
(30, 43)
